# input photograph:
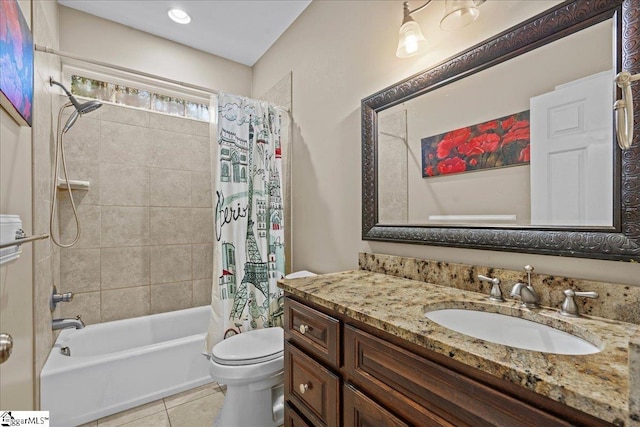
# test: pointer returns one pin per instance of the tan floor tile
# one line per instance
(160, 419)
(193, 394)
(122, 418)
(199, 412)
(89, 424)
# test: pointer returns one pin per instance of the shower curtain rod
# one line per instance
(125, 69)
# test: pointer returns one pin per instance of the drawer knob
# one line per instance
(303, 388)
(304, 328)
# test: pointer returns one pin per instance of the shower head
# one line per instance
(80, 109)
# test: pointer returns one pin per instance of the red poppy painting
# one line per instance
(493, 144)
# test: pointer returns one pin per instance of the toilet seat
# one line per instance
(249, 348)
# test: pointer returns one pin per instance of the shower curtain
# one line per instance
(248, 255)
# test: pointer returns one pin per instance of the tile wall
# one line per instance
(46, 260)
(147, 222)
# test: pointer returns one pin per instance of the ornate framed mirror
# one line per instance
(404, 199)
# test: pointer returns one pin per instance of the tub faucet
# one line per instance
(67, 323)
(525, 291)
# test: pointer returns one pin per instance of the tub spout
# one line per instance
(67, 323)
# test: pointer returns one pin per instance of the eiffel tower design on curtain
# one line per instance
(249, 246)
(256, 272)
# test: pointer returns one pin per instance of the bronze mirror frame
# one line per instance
(618, 242)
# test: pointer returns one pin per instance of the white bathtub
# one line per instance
(118, 365)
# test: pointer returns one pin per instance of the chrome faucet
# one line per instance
(525, 291)
(67, 323)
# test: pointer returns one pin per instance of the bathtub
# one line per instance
(118, 365)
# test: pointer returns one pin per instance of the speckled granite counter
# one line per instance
(597, 384)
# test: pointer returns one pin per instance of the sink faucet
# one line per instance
(526, 292)
(67, 323)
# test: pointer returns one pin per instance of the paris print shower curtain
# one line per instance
(248, 256)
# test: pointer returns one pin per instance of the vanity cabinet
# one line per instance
(342, 372)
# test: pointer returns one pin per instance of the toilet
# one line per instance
(251, 365)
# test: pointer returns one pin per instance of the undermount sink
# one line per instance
(511, 331)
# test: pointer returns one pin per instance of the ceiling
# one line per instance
(239, 30)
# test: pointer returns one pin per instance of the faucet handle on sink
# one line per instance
(569, 306)
(496, 293)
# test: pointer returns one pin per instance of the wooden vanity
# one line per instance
(343, 371)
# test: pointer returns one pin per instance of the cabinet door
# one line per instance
(360, 411)
(311, 388)
(292, 419)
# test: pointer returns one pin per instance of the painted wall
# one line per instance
(95, 38)
(339, 53)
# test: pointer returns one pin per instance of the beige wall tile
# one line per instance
(42, 248)
(124, 115)
(171, 296)
(125, 226)
(124, 266)
(86, 304)
(170, 123)
(171, 263)
(124, 144)
(200, 128)
(202, 225)
(200, 154)
(170, 187)
(125, 303)
(124, 185)
(202, 292)
(89, 217)
(82, 141)
(201, 187)
(202, 257)
(79, 270)
(43, 283)
(169, 150)
(85, 172)
(170, 226)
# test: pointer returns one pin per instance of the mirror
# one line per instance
(449, 159)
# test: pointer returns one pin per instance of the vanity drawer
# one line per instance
(360, 411)
(420, 390)
(311, 388)
(313, 331)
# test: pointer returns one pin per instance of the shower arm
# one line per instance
(624, 109)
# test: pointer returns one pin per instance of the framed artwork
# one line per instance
(493, 144)
(16, 63)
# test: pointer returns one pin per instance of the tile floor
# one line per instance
(192, 408)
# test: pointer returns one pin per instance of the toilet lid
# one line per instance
(258, 345)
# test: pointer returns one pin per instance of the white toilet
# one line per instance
(251, 364)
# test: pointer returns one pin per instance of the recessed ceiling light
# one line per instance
(179, 16)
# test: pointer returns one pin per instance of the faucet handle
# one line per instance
(56, 298)
(496, 293)
(569, 306)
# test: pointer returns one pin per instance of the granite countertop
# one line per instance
(597, 384)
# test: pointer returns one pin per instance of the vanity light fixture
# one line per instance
(624, 109)
(179, 16)
(458, 14)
